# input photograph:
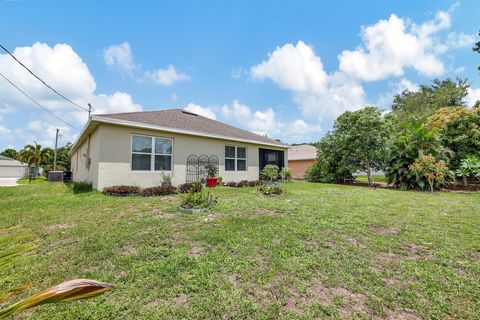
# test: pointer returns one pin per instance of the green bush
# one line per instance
(81, 187)
(201, 199)
(469, 167)
(270, 173)
(158, 191)
(286, 174)
(269, 190)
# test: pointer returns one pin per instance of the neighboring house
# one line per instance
(10, 168)
(137, 148)
(300, 158)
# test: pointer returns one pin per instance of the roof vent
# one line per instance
(190, 113)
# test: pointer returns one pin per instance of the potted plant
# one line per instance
(212, 179)
(166, 180)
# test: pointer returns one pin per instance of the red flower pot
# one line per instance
(212, 182)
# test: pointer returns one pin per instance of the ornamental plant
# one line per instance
(211, 171)
(286, 174)
(469, 167)
(427, 166)
(198, 198)
(270, 173)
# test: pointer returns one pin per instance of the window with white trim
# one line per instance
(151, 153)
(235, 158)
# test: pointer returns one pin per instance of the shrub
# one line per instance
(253, 183)
(286, 174)
(243, 183)
(269, 190)
(211, 170)
(121, 190)
(428, 167)
(81, 187)
(183, 188)
(469, 167)
(231, 184)
(270, 172)
(201, 199)
(158, 191)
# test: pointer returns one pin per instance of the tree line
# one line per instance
(428, 137)
(37, 157)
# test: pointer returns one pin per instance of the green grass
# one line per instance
(374, 178)
(316, 251)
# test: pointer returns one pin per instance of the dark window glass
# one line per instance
(241, 153)
(141, 144)
(163, 146)
(141, 161)
(163, 163)
(229, 165)
(229, 152)
(241, 165)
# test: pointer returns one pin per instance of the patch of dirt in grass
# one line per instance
(128, 250)
(195, 252)
(212, 216)
(392, 283)
(58, 226)
(400, 315)
(346, 302)
(181, 299)
(133, 209)
(388, 256)
(461, 272)
(232, 279)
(384, 230)
(264, 212)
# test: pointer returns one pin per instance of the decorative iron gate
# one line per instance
(197, 167)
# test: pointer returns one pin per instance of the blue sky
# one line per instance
(281, 68)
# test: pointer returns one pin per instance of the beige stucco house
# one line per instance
(137, 148)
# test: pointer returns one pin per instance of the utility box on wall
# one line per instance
(55, 176)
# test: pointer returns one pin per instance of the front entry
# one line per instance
(268, 156)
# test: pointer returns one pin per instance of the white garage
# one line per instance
(10, 168)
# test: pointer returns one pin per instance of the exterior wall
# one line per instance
(299, 167)
(80, 170)
(13, 171)
(112, 158)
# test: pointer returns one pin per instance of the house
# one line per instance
(300, 157)
(138, 148)
(10, 168)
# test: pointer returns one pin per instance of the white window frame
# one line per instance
(236, 158)
(152, 153)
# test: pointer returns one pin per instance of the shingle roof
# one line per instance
(184, 120)
(302, 152)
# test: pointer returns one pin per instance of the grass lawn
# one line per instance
(316, 251)
(374, 179)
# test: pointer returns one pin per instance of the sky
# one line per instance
(286, 69)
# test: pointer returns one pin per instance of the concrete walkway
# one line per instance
(8, 182)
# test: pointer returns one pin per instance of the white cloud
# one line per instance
(460, 40)
(390, 46)
(266, 122)
(120, 56)
(385, 99)
(459, 70)
(4, 130)
(473, 96)
(298, 69)
(174, 97)
(197, 109)
(293, 67)
(64, 70)
(166, 77)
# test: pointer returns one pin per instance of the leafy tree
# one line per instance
(330, 166)
(416, 140)
(411, 106)
(9, 153)
(459, 130)
(477, 48)
(428, 167)
(63, 158)
(34, 155)
(362, 139)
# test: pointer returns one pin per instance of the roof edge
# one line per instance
(104, 119)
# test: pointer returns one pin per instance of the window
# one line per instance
(235, 158)
(151, 153)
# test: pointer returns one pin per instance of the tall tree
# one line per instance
(411, 106)
(34, 155)
(9, 153)
(477, 48)
(362, 137)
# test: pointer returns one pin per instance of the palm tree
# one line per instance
(33, 155)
